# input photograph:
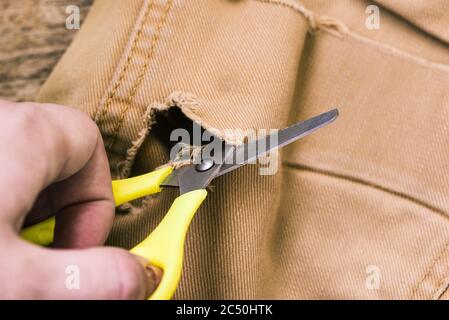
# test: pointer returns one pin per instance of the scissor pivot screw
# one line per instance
(205, 165)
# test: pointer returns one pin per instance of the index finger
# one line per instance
(49, 143)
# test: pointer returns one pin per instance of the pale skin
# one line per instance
(53, 162)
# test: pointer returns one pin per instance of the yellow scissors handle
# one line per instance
(164, 247)
(124, 190)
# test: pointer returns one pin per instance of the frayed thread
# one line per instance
(124, 167)
(186, 155)
(316, 22)
(189, 105)
(187, 102)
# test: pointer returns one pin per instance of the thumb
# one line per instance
(95, 273)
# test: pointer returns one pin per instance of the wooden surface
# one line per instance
(33, 36)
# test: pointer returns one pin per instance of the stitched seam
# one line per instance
(427, 273)
(438, 291)
(367, 184)
(101, 112)
(337, 28)
(139, 80)
(422, 27)
(441, 287)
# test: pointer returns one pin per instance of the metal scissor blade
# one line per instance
(189, 177)
(282, 138)
(270, 142)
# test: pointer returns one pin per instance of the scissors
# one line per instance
(164, 247)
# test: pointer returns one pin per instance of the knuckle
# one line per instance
(28, 115)
(86, 119)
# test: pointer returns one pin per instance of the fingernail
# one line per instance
(153, 275)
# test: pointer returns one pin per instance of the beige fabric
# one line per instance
(428, 15)
(395, 31)
(367, 193)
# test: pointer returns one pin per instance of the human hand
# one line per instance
(53, 162)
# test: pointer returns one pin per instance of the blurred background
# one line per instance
(33, 37)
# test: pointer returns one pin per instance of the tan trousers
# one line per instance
(357, 210)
